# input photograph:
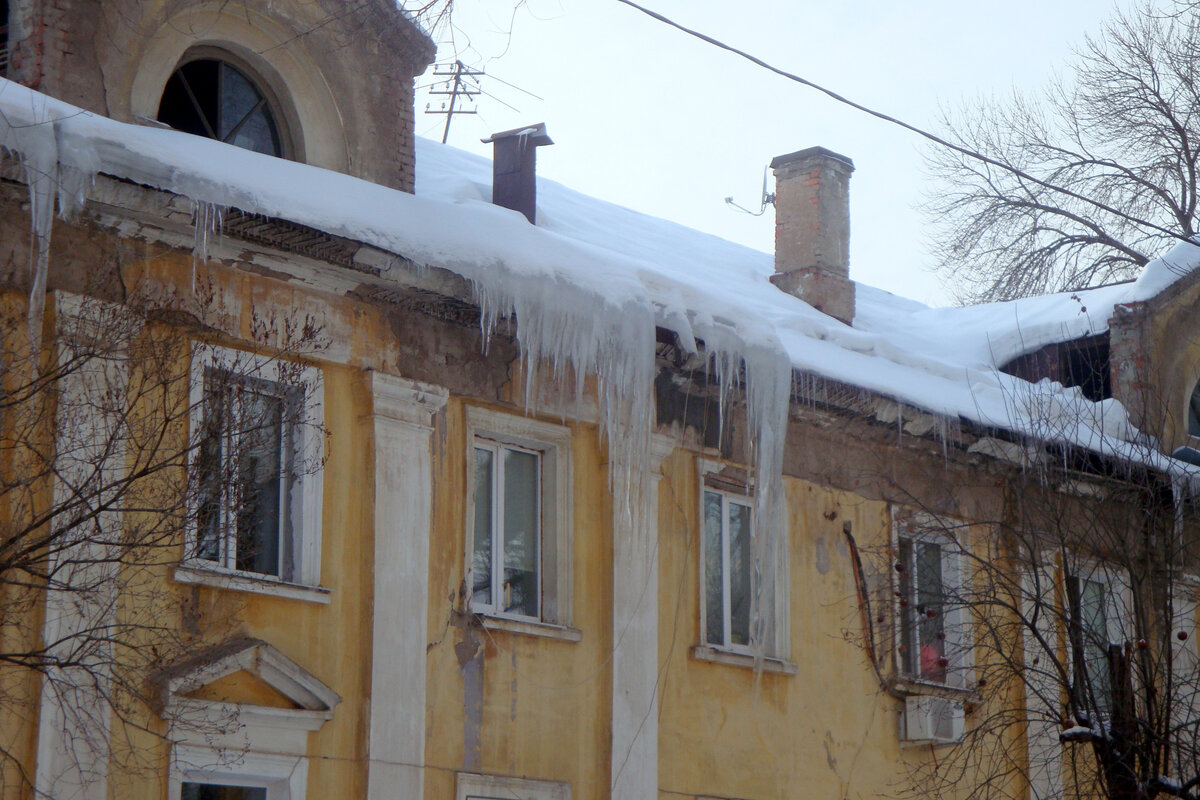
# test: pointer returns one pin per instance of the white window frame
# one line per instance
(284, 777)
(958, 648)
(726, 634)
(713, 477)
(474, 786)
(926, 696)
(304, 495)
(1117, 600)
(552, 444)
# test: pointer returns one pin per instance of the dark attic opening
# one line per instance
(1084, 363)
(213, 98)
(3, 38)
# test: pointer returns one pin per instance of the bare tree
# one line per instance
(1049, 642)
(1096, 175)
(120, 459)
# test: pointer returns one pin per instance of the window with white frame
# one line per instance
(1091, 615)
(728, 568)
(730, 573)
(518, 520)
(931, 632)
(256, 465)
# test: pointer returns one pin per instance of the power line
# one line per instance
(933, 137)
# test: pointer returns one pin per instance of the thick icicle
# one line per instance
(37, 142)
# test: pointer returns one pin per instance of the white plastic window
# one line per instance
(728, 569)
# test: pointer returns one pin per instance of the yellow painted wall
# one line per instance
(828, 730)
(545, 703)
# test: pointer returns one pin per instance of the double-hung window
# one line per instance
(728, 569)
(518, 544)
(256, 464)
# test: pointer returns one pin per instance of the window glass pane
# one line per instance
(714, 619)
(521, 532)
(909, 650)
(1194, 412)
(212, 98)
(741, 560)
(481, 555)
(244, 120)
(930, 611)
(210, 469)
(208, 791)
(1095, 639)
(260, 479)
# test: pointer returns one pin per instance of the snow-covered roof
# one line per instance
(592, 279)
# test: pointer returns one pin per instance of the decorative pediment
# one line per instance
(209, 718)
(257, 658)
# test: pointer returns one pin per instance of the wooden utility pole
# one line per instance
(465, 84)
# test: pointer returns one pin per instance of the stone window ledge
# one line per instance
(715, 655)
(205, 575)
(525, 627)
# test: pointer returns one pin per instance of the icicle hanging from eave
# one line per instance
(52, 170)
(562, 326)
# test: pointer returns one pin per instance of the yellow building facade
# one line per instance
(293, 514)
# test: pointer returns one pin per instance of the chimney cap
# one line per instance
(810, 153)
(536, 133)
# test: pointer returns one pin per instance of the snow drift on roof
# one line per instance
(606, 273)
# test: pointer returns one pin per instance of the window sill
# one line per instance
(524, 627)
(715, 655)
(916, 686)
(206, 575)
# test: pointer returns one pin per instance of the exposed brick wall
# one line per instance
(80, 51)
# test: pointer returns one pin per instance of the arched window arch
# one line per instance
(1193, 412)
(211, 96)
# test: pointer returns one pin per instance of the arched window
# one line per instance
(1193, 414)
(211, 97)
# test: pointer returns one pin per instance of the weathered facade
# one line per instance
(473, 574)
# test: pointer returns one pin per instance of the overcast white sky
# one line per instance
(647, 117)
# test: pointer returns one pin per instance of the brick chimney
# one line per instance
(514, 168)
(812, 230)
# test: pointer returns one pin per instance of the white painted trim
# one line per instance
(403, 419)
(74, 717)
(267, 663)
(284, 777)
(206, 573)
(554, 444)
(716, 655)
(527, 628)
(472, 786)
(635, 659)
(238, 744)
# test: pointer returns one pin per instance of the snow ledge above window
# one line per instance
(716, 656)
(205, 575)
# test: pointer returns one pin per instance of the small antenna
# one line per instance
(768, 199)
